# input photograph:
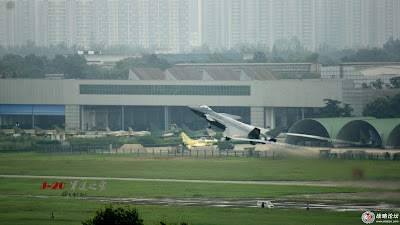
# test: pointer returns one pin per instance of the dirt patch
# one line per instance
(360, 195)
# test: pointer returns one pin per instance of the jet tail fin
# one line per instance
(108, 130)
(17, 130)
(59, 129)
(255, 133)
(185, 138)
(276, 131)
(210, 132)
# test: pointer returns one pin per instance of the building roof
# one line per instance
(223, 74)
(237, 64)
(260, 74)
(185, 73)
(148, 74)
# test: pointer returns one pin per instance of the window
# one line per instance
(94, 89)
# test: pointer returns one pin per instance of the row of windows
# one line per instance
(93, 89)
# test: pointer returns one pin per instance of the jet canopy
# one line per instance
(204, 107)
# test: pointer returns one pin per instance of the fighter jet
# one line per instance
(235, 129)
(138, 133)
(70, 132)
(7, 131)
(39, 131)
(116, 133)
(190, 143)
(24, 131)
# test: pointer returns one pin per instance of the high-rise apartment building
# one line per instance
(336, 23)
(154, 24)
(163, 25)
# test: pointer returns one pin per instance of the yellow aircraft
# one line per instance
(189, 143)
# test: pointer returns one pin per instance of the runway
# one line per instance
(330, 205)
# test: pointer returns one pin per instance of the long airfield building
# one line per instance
(151, 97)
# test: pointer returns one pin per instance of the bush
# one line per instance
(110, 216)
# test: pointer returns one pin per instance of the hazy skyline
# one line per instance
(179, 26)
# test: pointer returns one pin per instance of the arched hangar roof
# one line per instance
(351, 129)
(389, 130)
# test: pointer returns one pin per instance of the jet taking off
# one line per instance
(235, 129)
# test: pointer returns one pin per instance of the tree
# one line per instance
(12, 65)
(380, 107)
(347, 110)
(371, 55)
(395, 82)
(313, 58)
(364, 85)
(377, 84)
(333, 109)
(393, 47)
(395, 106)
(75, 67)
(259, 57)
(119, 216)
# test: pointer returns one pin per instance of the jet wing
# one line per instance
(265, 142)
(321, 138)
(231, 116)
(233, 132)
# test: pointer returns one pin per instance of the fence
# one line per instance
(144, 152)
(106, 149)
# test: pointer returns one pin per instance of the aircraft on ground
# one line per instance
(24, 131)
(138, 133)
(70, 132)
(235, 129)
(189, 143)
(174, 131)
(39, 131)
(129, 133)
(7, 131)
(116, 133)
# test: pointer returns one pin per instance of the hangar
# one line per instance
(349, 131)
(154, 97)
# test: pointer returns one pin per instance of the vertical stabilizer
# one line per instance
(185, 138)
(108, 130)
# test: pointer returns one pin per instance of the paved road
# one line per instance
(395, 184)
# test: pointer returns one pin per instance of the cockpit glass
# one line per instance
(205, 107)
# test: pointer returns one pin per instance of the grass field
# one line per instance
(19, 210)
(73, 211)
(30, 186)
(190, 168)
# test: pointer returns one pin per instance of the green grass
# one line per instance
(73, 211)
(18, 210)
(192, 168)
(31, 186)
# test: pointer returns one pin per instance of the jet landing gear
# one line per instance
(227, 139)
(272, 139)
